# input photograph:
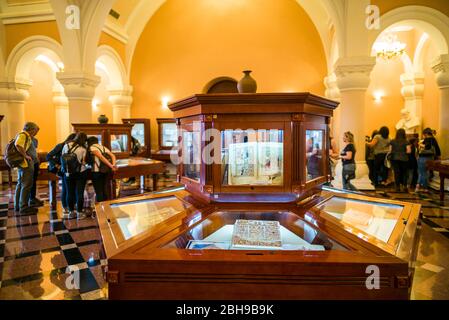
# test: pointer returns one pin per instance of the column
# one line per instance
(332, 92)
(79, 89)
(413, 92)
(441, 69)
(353, 78)
(61, 104)
(121, 100)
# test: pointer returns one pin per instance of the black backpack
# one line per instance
(13, 157)
(104, 168)
(69, 161)
(54, 158)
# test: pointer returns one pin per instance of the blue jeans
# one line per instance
(423, 174)
(23, 188)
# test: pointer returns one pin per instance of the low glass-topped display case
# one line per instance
(253, 221)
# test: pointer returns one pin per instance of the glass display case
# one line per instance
(168, 133)
(140, 137)
(115, 137)
(255, 222)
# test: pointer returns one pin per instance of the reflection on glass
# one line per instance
(119, 143)
(261, 230)
(314, 154)
(169, 135)
(374, 218)
(138, 132)
(252, 157)
(136, 217)
(191, 151)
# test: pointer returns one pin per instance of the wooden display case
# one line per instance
(115, 137)
(141, 131)
(167, 139)
(246, 233)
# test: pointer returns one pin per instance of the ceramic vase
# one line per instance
(247, 84)
(103, 119)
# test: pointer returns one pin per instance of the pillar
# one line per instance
(333, 93)
(61, 104)
(79, 89)
(441, 69)
(12, 105)
(353, 79)
(121, 100)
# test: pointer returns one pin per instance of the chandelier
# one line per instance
(389, 47)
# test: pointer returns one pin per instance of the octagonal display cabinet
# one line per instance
(256, 223)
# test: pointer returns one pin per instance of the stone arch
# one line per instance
(22, 57)
(114, 67)
(431, 21)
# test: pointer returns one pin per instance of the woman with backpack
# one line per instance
(73, 167)
(381, 146)
(54, 166)
(103, 162)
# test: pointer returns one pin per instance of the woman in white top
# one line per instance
(103, 162)
(76, 181)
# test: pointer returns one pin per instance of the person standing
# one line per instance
(400, 149)
(75, 181)
(381, 147)
(413, 163)
(428, 150)
(369, 157)
(34, 201)
(54, 166)
(333, 157)
(23, 144)
(348, 160)
(101, 167)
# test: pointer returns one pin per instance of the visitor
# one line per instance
(313, 159)
(348, 160)
(369, 157)
(76, 179)
(34, 201)
(54, 166)
(400, 149)
(428, 150)
(432, 133)
(334, 155)
(100, 167)
(25, 176)
(413, 163)
(381, 146)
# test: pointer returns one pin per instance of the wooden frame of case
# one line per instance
(160, 124)
(106, 130)
(147, 133)
(257, 274)
(292, 112)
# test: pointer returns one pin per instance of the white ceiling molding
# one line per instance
(27, 16)
(116, 32)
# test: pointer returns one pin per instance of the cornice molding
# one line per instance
(116, 32)
(353, 73)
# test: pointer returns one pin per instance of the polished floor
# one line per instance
(36, 251)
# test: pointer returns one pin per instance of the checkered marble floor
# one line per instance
(37, 252)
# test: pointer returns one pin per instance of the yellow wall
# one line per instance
(388, 5)
(39, 107)
(106, 39)
(188, 43)
(102, 96)
(15, 33)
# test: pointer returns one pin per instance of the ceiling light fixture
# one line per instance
(388, 47)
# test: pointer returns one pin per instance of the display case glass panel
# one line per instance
(229, 230)
(252, 157)
(374, 218)
(169, 135)
(191, 150)
(137, 217)
(314, 154)
(138, 132)
(119, 143)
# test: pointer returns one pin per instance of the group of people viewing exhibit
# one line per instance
(75, 160)
(402, 159)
